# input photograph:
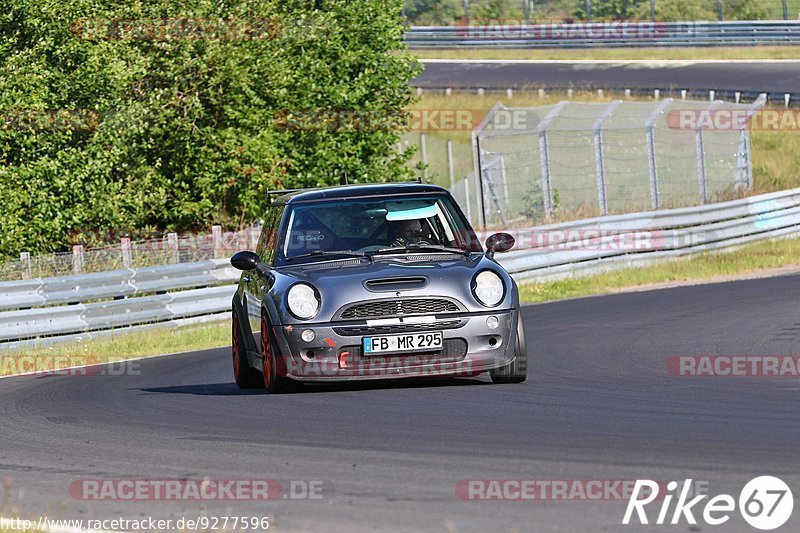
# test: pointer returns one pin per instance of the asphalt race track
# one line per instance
(600, 405)
(776, 77)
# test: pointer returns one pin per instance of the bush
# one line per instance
(177, 131)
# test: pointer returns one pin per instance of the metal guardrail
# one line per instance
(43, 310)
(606, 34)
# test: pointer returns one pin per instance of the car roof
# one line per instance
(356, 191)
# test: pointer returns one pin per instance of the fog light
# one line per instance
(308, 335)
(492, 322)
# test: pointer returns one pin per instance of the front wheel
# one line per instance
(517, 370)
(273, 381)
(246, 377)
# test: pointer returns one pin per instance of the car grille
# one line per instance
(395, 328)
(391, 308)
(452, 350)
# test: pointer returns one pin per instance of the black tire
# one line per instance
(270, 379)
(245, 376)
(517, 370)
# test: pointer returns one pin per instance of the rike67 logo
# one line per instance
(765, 503)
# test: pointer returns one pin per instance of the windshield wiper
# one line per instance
(324, 253)
(423, 248)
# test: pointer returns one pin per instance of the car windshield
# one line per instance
(371, 226)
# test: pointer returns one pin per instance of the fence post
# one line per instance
(701, 155)
(467, 200)
(651, 151)
(254, 235)
(216, 233)
(744, 166)
(127, 259)
(785, 10)
(598, 155)
(25, 259)
(544, 157)
(77, 259)
(450, 168)
(424, 148)
(476, 161)
(172, 244)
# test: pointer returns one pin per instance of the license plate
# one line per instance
(410, 342)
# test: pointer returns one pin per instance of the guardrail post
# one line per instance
(216, 233)
(598, 155)
(172, 244)
(127, 259)
(651, 151)
(25, 261)
(77, 258)
(544, 158)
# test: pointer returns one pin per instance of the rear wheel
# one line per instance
(246, 377)
(516, 371)
(273, 381)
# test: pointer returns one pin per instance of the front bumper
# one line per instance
(470, 348)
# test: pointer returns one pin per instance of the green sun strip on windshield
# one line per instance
(412, 214)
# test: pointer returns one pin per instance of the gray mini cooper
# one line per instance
(373, 282)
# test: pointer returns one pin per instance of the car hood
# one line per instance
(341, 283)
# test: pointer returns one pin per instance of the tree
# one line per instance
(165, 115)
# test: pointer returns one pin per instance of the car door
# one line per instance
(255, 285)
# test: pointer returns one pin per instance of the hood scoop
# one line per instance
(396, 283)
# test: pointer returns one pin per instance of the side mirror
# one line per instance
(499, 242)
(245, 260)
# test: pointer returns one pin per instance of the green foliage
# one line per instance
(177, 131)
(610, 9)
(677, 10)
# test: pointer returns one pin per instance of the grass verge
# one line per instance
(712, 266)
(723, 53)
(117, 347)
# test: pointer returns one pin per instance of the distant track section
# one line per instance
(750, 78)
(621, 34)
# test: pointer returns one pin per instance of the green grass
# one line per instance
(749, 52)
(121, 345)
(748, 259)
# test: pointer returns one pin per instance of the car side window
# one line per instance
(269, 234)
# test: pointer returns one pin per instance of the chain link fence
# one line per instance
(170, 249)
(576, 160)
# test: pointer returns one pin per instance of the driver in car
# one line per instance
(408, 232)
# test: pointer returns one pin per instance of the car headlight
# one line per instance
(303, 301)
(488, 288)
